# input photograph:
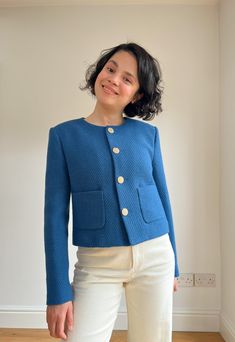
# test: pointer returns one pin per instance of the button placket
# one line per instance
(120, 179)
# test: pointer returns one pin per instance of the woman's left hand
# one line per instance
(176, 285)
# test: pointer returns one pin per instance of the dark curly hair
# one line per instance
(149, 77)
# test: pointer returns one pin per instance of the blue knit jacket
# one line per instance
(115, 178)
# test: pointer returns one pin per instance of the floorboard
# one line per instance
(42, 335)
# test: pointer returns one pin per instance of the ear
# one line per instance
(137, 97)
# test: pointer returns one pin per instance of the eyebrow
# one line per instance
(126, 72)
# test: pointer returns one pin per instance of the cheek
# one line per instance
(129, 91)
(101, 75)
(98, 79)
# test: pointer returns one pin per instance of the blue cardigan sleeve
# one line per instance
(56, 217)
(160, 180)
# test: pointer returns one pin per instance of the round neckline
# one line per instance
(91, 124)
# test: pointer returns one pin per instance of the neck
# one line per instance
(103, 116)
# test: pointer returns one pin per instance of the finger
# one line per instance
(69, 317)
(51, 326)
(60, 328)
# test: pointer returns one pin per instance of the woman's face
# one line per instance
(117, 83)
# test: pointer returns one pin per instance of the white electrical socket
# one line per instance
(185, 280)
(204, 279)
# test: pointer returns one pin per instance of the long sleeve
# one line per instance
(160, 180)
(56, 217)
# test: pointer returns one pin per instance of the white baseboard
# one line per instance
(183, 320)
(226, 329)
(28, 317)
(196, 320)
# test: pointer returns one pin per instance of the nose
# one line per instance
(114, 79)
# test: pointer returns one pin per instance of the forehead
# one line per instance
(125, 61)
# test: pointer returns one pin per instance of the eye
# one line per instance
(110, 69)
(127, 79)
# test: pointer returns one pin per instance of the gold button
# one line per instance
(116, 150)
(120, 179)
(111, 130)
(124, 212)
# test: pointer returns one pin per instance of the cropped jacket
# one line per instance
(114, 178)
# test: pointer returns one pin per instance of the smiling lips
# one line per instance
(109, 90)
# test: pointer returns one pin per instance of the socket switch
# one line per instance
(185, 280)
(204, 279)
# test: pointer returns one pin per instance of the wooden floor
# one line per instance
(41, 335)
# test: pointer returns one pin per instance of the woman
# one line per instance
(112, 167)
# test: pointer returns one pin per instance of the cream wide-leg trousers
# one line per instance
(145, 271)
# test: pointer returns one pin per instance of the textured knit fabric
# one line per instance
(115, 178)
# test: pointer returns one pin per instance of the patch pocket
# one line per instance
(150, 203)
(88, 209)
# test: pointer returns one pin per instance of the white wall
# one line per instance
(44, 54)
(227, 182)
